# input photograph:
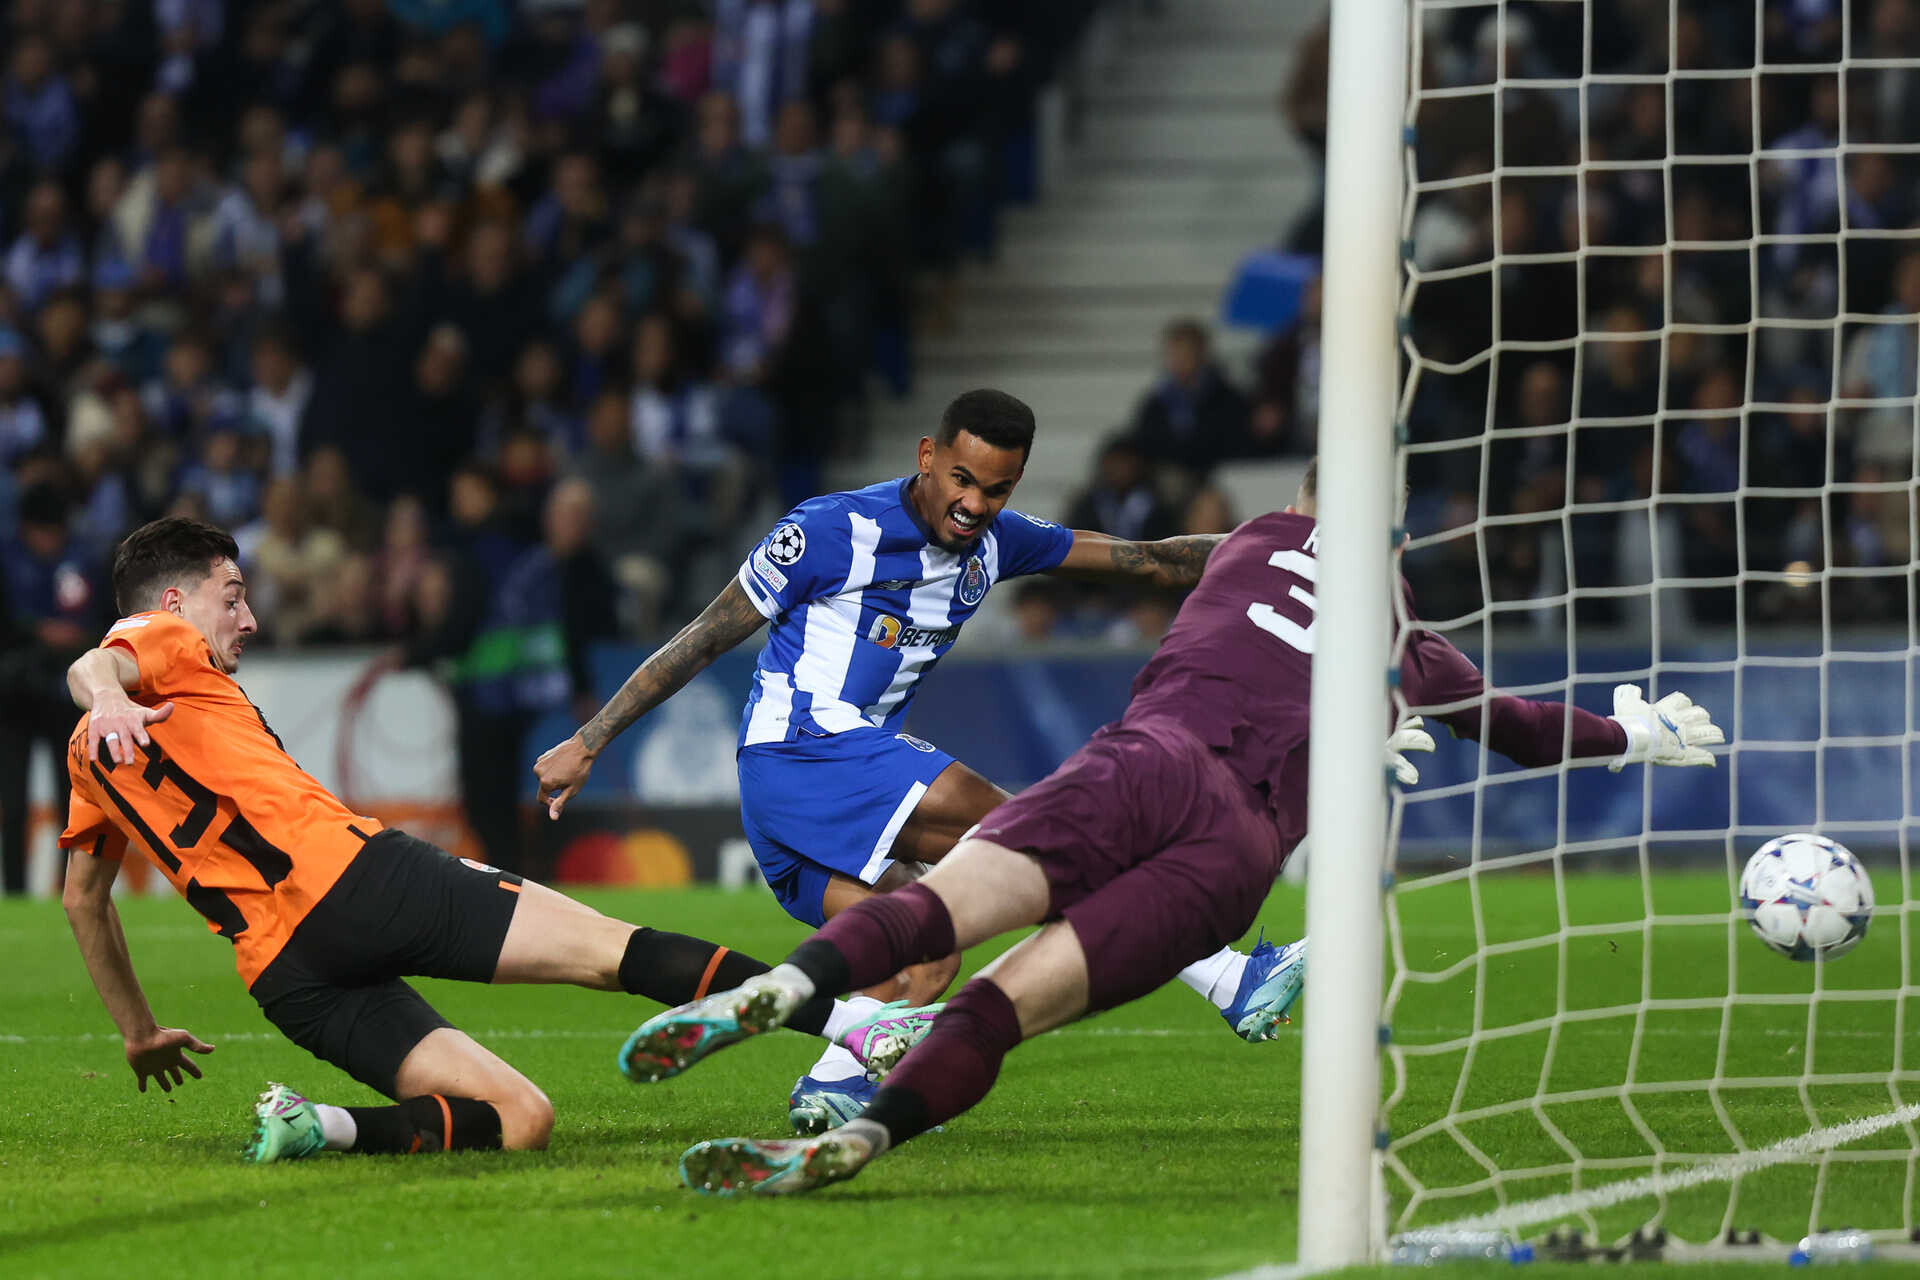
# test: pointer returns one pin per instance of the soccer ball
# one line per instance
(1807, 897)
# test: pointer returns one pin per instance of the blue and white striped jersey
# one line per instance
(863, 604)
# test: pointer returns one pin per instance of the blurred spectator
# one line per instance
(66, 352)
(344, 608)
(119, 332)
(730, 179)
(597, 333)
(289, 561)
(1193, 417)
(565, 579)
(47, 255)
(493, 305)
(1208, 511)
(1880, 365)
(39, 104)
(440, 423)
(680, 423)
(502, 663)
(1122, 500)
(401, 565)
(538, 402)
(641, 521)
(158, 220)
(1286, 400)
(23, 423)
(186, 403)
(334, 501)
(228, 488)
(636, 123)
(54, 609)
(359, 383)
(277, 405)
(760, 56)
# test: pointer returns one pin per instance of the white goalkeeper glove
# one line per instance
(1671, 731)
(1408, 737)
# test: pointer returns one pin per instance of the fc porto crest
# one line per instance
(973, 582)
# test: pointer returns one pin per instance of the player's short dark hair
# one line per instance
(1310, 487)
(994, 416)
(169, 552)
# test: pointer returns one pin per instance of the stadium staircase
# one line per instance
(1166, 160)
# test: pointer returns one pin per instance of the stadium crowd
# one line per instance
(437, 305)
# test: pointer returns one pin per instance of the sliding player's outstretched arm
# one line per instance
(152, 1050)
(731, 618)
(1532, 732)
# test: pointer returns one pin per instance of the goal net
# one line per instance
(1660, 325)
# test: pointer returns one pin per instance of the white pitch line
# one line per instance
(1720, 1169)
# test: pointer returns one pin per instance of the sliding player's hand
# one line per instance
(1410, 736)
(561, 771)
(1672, 731)
(118, 725)
(158, 1055)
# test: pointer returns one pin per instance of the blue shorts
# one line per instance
(820, 805)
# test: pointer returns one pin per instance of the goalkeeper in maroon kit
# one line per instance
(1151, 847)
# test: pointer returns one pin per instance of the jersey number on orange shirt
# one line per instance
(272, 863)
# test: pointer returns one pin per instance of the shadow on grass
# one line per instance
(121, 1223)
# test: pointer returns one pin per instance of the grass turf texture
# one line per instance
(1148, 1142)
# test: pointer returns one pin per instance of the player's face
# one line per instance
(963, 486)
(218, 610)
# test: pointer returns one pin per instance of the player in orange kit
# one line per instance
(327, 910)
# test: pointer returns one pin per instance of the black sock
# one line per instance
(676, 969)
(824, 965)
(903, 1113)
(426, 1123)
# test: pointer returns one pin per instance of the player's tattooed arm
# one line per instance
(723, 624)
(562, 770)
(1169, 562)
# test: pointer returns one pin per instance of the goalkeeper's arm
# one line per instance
(1673, 731)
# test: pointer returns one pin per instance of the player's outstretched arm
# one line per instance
(153, 1051)
(1535, 732)
(723, 624)
(99, 681)
(1169, 562)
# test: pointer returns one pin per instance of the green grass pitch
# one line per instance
(1147, 1142)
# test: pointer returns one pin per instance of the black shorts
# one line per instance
(402, 908)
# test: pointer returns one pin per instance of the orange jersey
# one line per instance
(247, 836)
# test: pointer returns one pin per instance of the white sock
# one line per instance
(849, 1012)
(1217, 977)
(792, 980)
(836, 1064)
(337, 1128)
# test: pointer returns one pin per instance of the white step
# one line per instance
(1072, 262)
(1233, 187)
(1154, 135)
(1222, 64)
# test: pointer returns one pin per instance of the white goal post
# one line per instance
(1341, 1070)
